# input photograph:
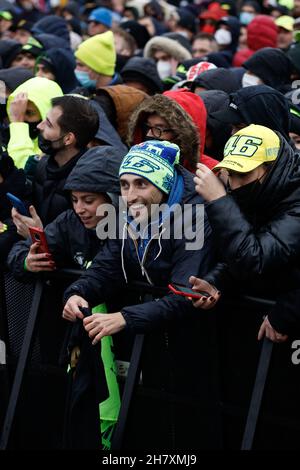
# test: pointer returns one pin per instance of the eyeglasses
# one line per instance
(155, 131)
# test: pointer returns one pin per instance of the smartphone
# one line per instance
(187, 291)
(18, 204)
(38, 235)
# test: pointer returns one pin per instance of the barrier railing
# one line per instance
(135, 366)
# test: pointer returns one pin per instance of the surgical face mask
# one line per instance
(246, 17)
(250, 80)
(164, 69)
(84, 79)
(33, 131)
(223, 37)
(46, 145)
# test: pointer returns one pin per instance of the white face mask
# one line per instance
(223, 37)
(164, 69)
(250, 80)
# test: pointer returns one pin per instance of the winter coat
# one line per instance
(258, 235)
(70, 243)
(125, 99)
(165, 260)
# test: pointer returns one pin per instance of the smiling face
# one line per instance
(139, 195)
(85, 205)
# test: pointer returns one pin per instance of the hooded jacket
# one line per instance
(189, 108)
(62, 63)
(195, 107)
(40, 91)
(125, 100)
(165, 260)
(258, 235)
(70, 243)
(219, 131)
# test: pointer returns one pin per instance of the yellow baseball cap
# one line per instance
(285, 22)
(249, 148)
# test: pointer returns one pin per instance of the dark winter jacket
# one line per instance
(70, 243)
(50, 198)
(258, 233)
(15, 183)
(165, 260)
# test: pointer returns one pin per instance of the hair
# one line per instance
(128, 39)
(207, 36)
(79, 117)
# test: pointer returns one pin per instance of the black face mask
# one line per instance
(46, 145)
(245, 196)
(33, 131)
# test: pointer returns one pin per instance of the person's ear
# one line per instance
(70, 139)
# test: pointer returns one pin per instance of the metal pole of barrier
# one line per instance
(259, 384)
(257, 394)
(133, 374)
(22, 363)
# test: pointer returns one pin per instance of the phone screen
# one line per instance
(188, 290)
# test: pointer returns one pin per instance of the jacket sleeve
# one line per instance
(57, 245)
(20, 145)
(15, 261)
(7, 239)
(249, 251)
(103, 278)
(151, 315)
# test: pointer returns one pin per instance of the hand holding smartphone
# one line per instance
(38, 236)
(187, 291)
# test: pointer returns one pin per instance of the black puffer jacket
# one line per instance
(258, 237)
(70, 243)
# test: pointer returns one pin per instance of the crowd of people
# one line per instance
(134, 108)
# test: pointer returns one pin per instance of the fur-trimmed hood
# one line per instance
(187, 135)
(170, 46)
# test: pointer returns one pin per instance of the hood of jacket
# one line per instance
(106, 132)
(125, 100)
(218, 79)
(15, 76)
(270, 65)
(262, 32)
(52, 24)
(195, 108)
(40, 91)
(187, 136)
(280, 183)
(63, 63)
(97, 171)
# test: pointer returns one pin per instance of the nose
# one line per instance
(40, 126)
(149, 133)
(131, 195)
(79, 208)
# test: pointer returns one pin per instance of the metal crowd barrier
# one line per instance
(134, 369)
